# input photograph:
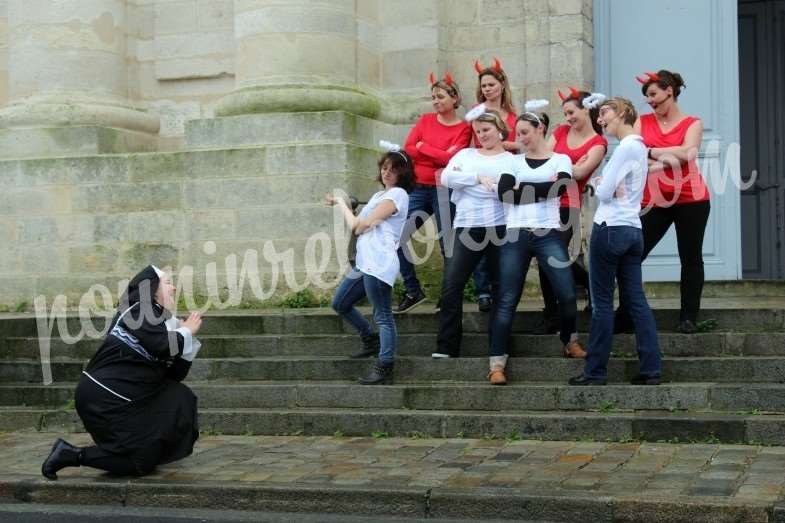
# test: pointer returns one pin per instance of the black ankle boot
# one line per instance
(379, 375)
(63, 455)
(547, 325)
(371, 346)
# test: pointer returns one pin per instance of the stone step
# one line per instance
(728, 369)
(354, 480)
(707, 427)
(275, 128)
(749, 398)
(422, 320)
(712, 344)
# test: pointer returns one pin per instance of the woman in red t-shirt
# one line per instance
(581, 139)
(433, 141)
(493, 89)
(675, 191)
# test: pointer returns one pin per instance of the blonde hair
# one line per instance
(493, 116)
(501, 77)
(623, 108)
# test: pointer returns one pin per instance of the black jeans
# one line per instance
(690, 220)
(571, 224)
(470, 245)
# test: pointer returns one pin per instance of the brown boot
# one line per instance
(496, 375)
(574, 350)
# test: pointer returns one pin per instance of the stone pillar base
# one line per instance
(43, 127)
(298, 98)
(85, 140)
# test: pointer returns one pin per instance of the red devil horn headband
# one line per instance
(650, 77)
(574, 93)
(448, 79)
(497, 66)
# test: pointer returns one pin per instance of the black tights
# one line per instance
(690, 220)
(138, 464)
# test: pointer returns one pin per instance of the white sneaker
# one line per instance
(440, 355)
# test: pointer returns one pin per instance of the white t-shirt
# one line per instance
(543, 214)
(476, 206)
(377, 247)
(621, 184)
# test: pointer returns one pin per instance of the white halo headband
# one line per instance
(393, 148)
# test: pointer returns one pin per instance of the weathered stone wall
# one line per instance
(3, 52)
(67, 224)
(180, 59)
(96, 218)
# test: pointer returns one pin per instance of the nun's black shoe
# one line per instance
(63, 455)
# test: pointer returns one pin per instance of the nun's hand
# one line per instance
(193, 323)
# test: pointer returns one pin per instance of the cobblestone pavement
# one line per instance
(733, 472)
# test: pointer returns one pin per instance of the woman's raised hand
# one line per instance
(193, 323)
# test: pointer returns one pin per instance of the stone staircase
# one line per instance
(286, 372)
(286, 428)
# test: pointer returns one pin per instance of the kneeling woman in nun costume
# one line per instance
(129, 397)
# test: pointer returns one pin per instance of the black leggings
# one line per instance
(571, 223)
(690, 220)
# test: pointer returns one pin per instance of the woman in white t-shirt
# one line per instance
(531, 206)
(378, 229)
(617, 249)
(478, 223)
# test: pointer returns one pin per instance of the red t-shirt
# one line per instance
(436, 139)
(665, 188)
(572, 198)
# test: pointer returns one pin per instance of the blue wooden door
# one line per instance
(697, 38)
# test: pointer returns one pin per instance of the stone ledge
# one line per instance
(41, 142)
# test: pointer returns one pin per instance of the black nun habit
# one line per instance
(129, 397)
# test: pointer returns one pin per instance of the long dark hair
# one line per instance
(401, 163)
(594, 112)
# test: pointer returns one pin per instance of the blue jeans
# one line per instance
(515, 255)
(616, 251)
(482, 279)
(424, 201)
(355, 286)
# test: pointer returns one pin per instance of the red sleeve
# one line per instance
(415, 135)
(441, 157)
